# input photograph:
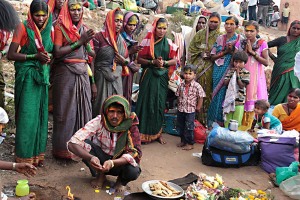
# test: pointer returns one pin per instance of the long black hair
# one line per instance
(9, 18)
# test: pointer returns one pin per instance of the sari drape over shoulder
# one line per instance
(204, 67)
(283, 78)
(71, 86)
(31, 93)
(154, 86)
(289, 122)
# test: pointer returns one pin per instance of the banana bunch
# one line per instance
(213, 183)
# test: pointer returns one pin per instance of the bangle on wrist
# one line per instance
(126, 62)
(92, 79)
(30, 56)
(74, 46)
(112, 163)
(149, 62)
(166, 64)
(3, 52)
(14, 166)
(88, 48)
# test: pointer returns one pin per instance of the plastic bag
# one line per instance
(199, 132)
(283, 173)
(232, 141)
(291, 186)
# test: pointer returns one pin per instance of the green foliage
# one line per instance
(179, 19)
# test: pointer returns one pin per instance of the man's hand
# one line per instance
(26, 169)
(107, 165)
(95, 162)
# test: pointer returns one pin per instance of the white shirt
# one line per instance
(252, 2)
(233, 8)
(275, 16)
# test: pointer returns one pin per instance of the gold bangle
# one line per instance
(112, 163)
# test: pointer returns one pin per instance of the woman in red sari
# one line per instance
(72, 107)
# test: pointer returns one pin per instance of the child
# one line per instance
(264, 119)
(233, 106)
(275, 17)
(285, 15)
(190, 98)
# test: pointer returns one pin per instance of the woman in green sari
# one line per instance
(199, 55)
(158, 61)
(31, 82)
(283, 78)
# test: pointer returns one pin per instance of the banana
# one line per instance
(216, 184)
(219, 179)
(208, 184)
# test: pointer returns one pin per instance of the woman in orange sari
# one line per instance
(72, 107)
(288, 113)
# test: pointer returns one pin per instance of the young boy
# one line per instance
(285, 15)
(190, 98)
(264, 119)
(236, 91)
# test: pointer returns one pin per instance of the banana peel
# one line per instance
(208, 184)
(216, 184)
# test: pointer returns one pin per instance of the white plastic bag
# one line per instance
(291, 187)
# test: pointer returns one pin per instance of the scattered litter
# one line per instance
(197, 155)
(2, 137)
(97, 191)
(107, 189)
(12, 136)
(112, 191)
(126, 193)
(82, 169)
(118, 198)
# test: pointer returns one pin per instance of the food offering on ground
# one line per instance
(213, 188)
(163, 189)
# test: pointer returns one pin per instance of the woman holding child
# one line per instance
(283, 78)
(199, 55)
(257, 50)
(221, 54)
(158, 61)
(32, 81)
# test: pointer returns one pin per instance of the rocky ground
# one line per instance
(162, 162)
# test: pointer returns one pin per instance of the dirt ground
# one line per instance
(163, 162)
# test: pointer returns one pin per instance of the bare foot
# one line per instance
(119, 187)
(161, 140)
(181, 144)
(188, 147)
(99, 181)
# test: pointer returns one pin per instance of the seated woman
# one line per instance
(288, 113)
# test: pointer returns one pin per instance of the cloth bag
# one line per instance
(276, 152)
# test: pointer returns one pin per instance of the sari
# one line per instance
(220, 67)
(133, 68)
(71, 85)
(31, 92)
(283, 78)
(204, 67)
(51, 4)
(108, 74)
(154, 86)
(289, 122)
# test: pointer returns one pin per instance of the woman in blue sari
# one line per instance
(221, 55)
